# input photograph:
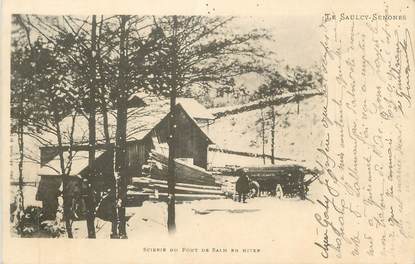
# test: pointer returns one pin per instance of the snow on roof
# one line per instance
(194, 109)
(140, 120)
(78, 164)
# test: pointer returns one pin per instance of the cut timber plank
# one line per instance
(187, 185)
(145, 181)
(181, 189)
(190, 197)
(185, 173)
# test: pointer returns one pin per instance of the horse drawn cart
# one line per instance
(293, 179)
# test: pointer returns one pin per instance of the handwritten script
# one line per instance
(364, 207)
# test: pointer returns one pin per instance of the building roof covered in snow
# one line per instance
(195, 109)
(143, 114)
(78, 162)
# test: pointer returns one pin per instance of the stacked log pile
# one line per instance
(192, 182)
(185, 172)
(149, 185)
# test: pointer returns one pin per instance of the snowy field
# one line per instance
(272, 226)
(264, 219)
(266, 224)
(261, 217)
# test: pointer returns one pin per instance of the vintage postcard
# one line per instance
(207, 131)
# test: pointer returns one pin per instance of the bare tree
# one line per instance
(20, 83)
(296, 85)
(126, 68)
(198, 52)
(53, 96)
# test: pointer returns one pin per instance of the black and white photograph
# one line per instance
(207, 132)
(126, 125)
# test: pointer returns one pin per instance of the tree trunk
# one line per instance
(114, 192)
(263, 135)
(90, 200)
(171, 180)
(108, 146)
(297, 94)
(20, 198)
(120, 168)
(64, 194)
(121, 132)
(272, 112)
(114, 186)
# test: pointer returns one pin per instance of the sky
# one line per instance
(296, 37)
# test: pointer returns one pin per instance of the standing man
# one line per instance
(242, 186)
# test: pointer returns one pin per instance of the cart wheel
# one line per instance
(252, 192)
(254, 189)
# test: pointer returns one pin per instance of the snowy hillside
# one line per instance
(297, 139)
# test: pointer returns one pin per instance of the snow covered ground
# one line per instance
(282, 228)
(275, 229)
(265, 219)
(263, 228)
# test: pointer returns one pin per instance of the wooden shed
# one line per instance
(147, 128)
(192, 141)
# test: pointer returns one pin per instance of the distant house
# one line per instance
(147, 128)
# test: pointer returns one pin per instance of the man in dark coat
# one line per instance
(242, 186)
